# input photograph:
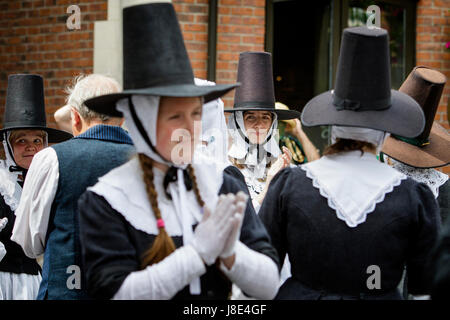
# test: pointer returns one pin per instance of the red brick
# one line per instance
(231, 2)
(423, 38)
(425, 11)
(228, 38)
(438, 21)
(428, 29)
(423, 56)
(441, 3)
(423, 20)
(242, 11)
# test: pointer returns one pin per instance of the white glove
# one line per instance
(214, 229)
(238, 217)
(3, 223)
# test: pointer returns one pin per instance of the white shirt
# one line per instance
(33, 212)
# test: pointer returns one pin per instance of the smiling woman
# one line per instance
(257, 124)
(25, 144)
(24, 133)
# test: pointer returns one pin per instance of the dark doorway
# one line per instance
(301, 56)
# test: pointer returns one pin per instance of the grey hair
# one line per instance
(86, 87)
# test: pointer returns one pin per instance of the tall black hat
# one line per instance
(25, 107)
(256, 92)
(155, 60)
(362, 96)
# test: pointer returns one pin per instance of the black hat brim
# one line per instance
(405, 116)
(106, 104)
(54, 135)
(281, 114)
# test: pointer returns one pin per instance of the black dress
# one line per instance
(15, 260)
(108, 258)
(330, 260)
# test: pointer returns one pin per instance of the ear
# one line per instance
(75, 116)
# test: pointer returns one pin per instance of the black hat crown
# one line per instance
(25, 101)
(25, 107)
(256, 77)
(257, 92)
(363, 96)
(363, 79)
(155, 60)
(167, 61)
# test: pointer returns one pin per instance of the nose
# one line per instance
(30, 147)
(194, 127)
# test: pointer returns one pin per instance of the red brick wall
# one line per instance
(34, 39)
(193, 18)
(432, 33)
(241, 27)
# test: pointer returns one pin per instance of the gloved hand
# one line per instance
(3, 223)
(214, 229)
(238, 217)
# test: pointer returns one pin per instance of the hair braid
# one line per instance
(200, 201)
(163, 244)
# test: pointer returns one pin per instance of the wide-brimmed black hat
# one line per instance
(431, 148)
(256, 92)
(155, 60)
(25, 107)
(362, 96)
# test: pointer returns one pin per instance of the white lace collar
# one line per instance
(431, 177)
(352, 198)
(9, 188)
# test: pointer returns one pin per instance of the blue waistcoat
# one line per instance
(82, 160)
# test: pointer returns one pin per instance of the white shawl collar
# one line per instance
(353, 184)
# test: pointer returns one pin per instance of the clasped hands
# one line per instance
(216, 235)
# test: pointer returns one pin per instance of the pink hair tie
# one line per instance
(160, 223)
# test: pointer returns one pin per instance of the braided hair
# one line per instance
(163, 244)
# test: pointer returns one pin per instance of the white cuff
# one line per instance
(253, 272)
(164, 279)
(2, 251)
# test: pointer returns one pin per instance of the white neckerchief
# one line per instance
(352, 183)
(208, 175)
(375, 137)
(241, 150)
(214, 128)
(431, 177)
(9, 188)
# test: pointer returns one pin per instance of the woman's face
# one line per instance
(257, 124)
(25, 144)
(178, 128)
